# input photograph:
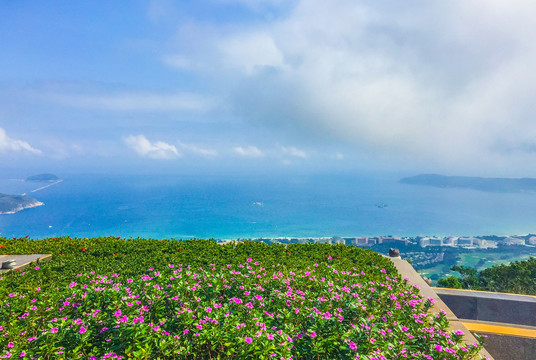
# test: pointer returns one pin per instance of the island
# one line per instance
(10, 204)
(43, 177)
(500, 185)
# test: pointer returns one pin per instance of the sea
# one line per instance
(223, 207)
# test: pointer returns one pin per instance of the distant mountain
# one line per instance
(43, 177)
(10, 204)
(502, 185)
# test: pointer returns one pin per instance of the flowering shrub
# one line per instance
(146, 299)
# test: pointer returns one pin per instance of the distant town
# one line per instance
(433, 256)
(473, 242)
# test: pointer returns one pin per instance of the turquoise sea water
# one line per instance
(298, 206)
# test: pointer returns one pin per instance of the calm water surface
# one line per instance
(302, 206)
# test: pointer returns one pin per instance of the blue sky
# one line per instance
(230, 86)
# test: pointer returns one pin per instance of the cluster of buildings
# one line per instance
(422, 241)
(477, 242)
(454, 241)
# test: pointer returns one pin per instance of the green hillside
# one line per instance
(516, 277)
(149, 299)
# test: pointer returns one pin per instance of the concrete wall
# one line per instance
(489, 306)
(504, 347)
(509, 320)
(407, 271)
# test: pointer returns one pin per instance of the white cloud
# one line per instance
(251, 51)
(198, 150)
(293, 151)
(9, 144)
(338, 156)
(249, 151)
(446, 82)
(178, 61)
(155, 150)
(133, 101)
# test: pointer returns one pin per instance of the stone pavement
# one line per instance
(22, 261)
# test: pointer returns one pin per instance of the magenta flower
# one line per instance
(10, 345)
(248, 339)
(82, 330)
(54, 330)
(313, 334)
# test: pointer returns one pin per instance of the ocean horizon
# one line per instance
(301, 206)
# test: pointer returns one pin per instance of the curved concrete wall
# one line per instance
(407, 271)
(489, 306)
(509, 320)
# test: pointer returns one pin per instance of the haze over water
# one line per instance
(250, 207)
(290, 118)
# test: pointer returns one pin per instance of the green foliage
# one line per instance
(516, 277)
(450, 282)
(196, 299)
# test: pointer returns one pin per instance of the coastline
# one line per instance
(22, 207)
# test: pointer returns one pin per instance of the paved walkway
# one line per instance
(406, 270)
(23, 261)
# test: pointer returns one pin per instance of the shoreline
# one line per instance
(22, 207)
(44, 187)
(285, 238)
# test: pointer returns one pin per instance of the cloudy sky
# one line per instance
(249, 85)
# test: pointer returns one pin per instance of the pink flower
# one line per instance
(249, 260)
(10, 345)
(209, 309)
(54, 330)
(248, 339)
(313, 334)
(82, 330)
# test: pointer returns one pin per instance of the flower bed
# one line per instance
(147, 299)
